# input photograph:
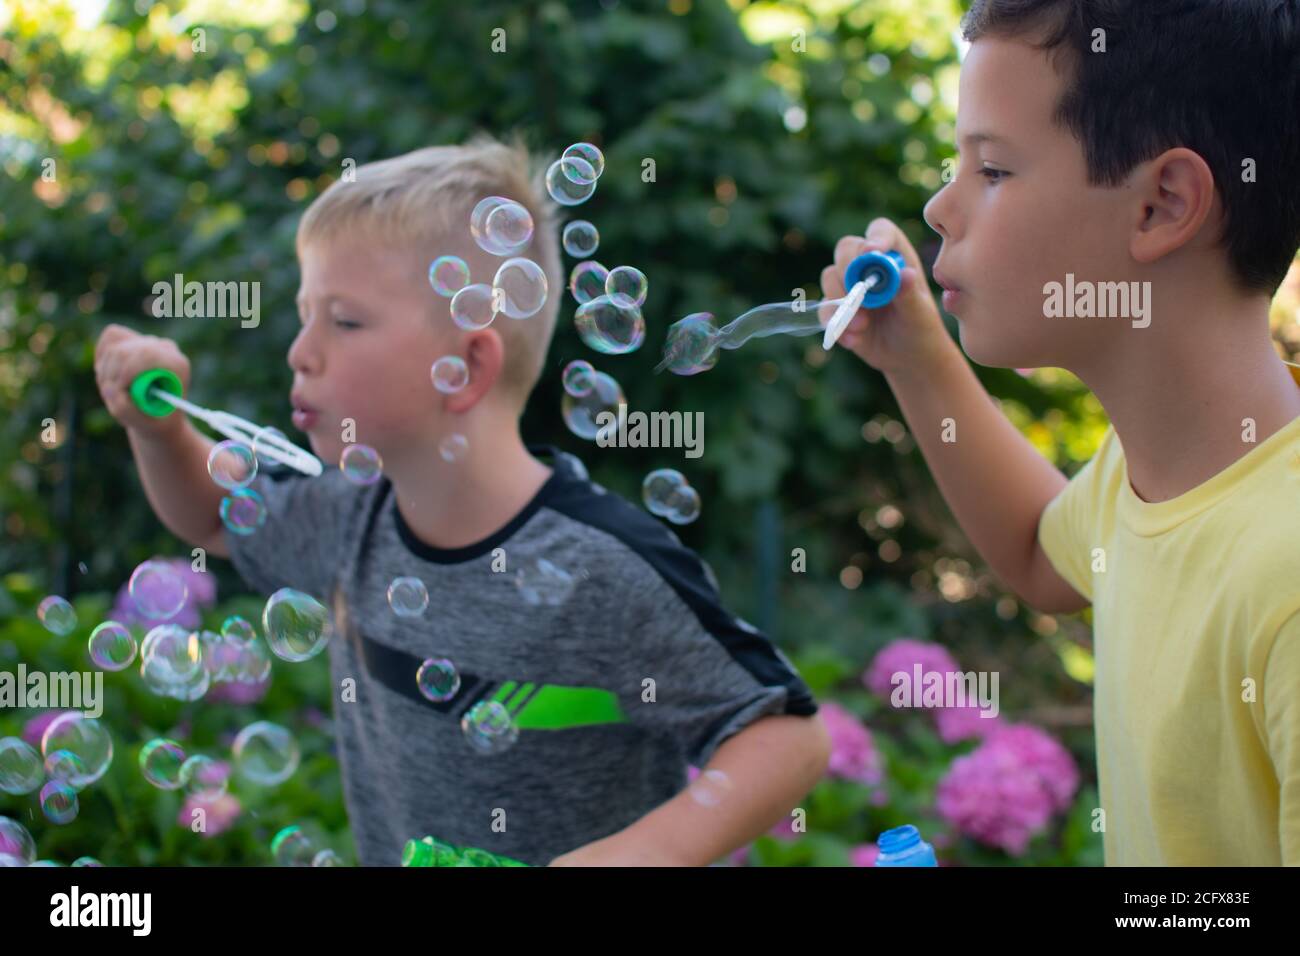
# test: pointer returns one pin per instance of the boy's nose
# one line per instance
(304, 357)
(938, 212)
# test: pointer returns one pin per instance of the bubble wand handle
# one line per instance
(157, 392)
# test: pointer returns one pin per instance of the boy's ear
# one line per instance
(1176, 190)
(485, 358)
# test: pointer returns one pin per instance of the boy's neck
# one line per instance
(1177, 397)
(456, 504)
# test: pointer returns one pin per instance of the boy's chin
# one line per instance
(999, 350)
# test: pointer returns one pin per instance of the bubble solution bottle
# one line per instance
(434, 852)
(903, 846)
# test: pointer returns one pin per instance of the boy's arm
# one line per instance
(993, 479)
(173, 468)
(770, 766)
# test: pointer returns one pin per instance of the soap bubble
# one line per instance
(59, 802)
(327, 857)
(57, 615)
(577, 378)
(254, 663)
(408, 597)
(627, 285)
(232, 464)
(453, 447)
(448, 275)
(474, 307)
(157, 589)
(203, 777)
(580, 238)
(685, 506)
(522, 286)
(488, 727)
(437, 679)
(86, 861)
(361, 464)
(449, 374)
(610, 326)
(161, 761)
(587, 152)
(296, 625)
(243, 511)
(238, 627)
(111, 646)
(691, 346)
(292, 847)
(667, 494)
(265, 754)
(63, 766)
(15, 841)
(501, 226)
(580, 412)
(561, 185)
(221, 655)
(587, 281)
(20, 766)
(177, 651)
(86, 738)
(544, 583)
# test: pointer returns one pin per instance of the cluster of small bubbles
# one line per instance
(577, 378)
(474, 307)
(160, 763)
(489, 728)
(112, 646)
(667, 493)
(450, 374)
(59, 802)
(710, 788)
(580, 411)
(252, 661)
(544, 583)
(238, 628)
(292, 847)
(232, 464)
(453, 447)
(203, 777)
(448, 275)
(57, 615)
(408, 597)
(580, 238)
(63, 766)
(562, 184)
(171, 663)
(158, 591)
(361, 464)
(20, 766)
(610, 326)
(86, 738)
(437, 679)
(221, 655)
(243, 511)
(16, 842)
(589, 154)
(691, 345)
(587, 281)
(501, 226)
(521, 287)
(627, 285)
(296, 625)
(265, 754)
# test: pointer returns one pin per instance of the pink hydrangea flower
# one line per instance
(853, 751)
(902, 655)
(238, 692)
(864, 854)
(1008, 788)
(202, 593)
(963, 723)
(221, 813)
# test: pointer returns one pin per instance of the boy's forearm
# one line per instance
(769, 766)
(994, 480)
(174, 471)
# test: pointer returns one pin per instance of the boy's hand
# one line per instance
(120, 355)
(905, 334)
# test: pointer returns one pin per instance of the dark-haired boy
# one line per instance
(1148, 148)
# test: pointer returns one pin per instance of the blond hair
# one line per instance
(423, 200)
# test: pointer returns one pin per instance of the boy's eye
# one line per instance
(347, 324)
(993, 175)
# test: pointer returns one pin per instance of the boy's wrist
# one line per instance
(941, 360)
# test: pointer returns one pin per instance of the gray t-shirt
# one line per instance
(573, 663)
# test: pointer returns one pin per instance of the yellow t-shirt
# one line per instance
(1196, 624)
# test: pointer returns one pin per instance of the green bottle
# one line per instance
(433, 852)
